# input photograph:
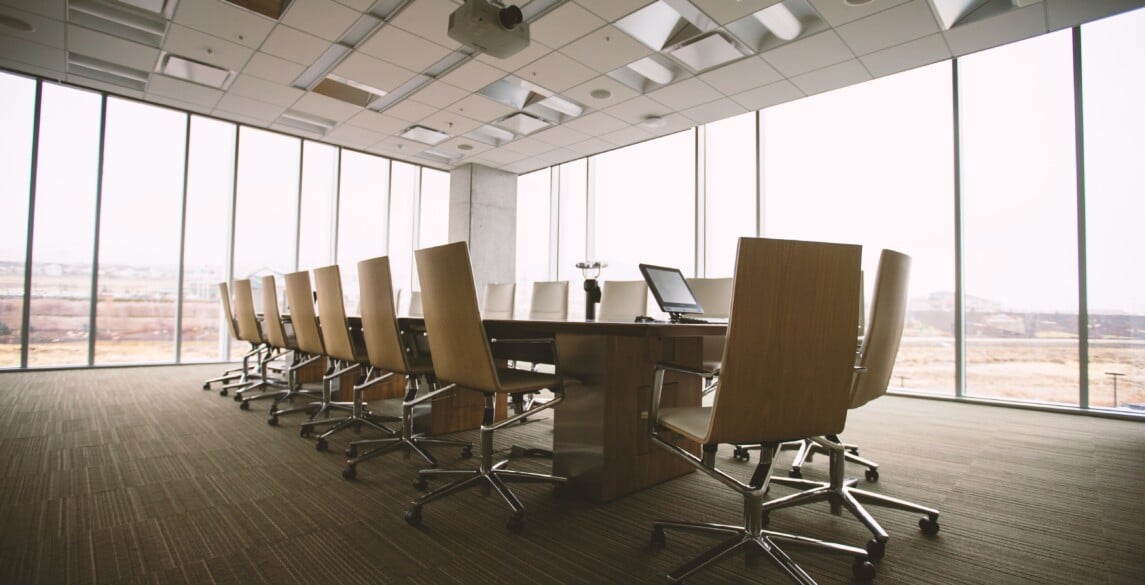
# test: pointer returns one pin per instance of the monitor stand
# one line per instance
(680, 318)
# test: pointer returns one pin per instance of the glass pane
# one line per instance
(1020, 221)
(64, 230)
(319, 187)
(1113, 57)
(534, 195)
(403, 188)
(883, 179)
(17, 116)
(433, 227)
(731, 211)
(210, 195)
(266, 213)
(362, 207)
(571, 243)
(142, 201)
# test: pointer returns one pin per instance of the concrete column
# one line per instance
(483, 212)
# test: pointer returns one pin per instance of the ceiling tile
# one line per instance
(613, 10)
(325, 107)
(473, 75)
(557, 156)
(595, 124)
(225, 21)
(832, 77)
(428, 19)
(265, 91)
(359, 5)
(255, 109)
(606, 49)
(196, 108)
(685, 94)
(526, 145)
(560, 136)
(379, 123)
(114, 49)
(480, 108)
(713, 111)
(451, 123)
(724, 12)
(458, 145)
(535, 50)
(47, 31)
(410, 111)
(741, 76)
(354, 136)
(399, 147)
(202, 47)
(291, 130)
(372, 72)
(272, 68)
(323, 18)
(524, 166)
(32, 57)
(768, 95)
(161, 85)
(439, 94)
(563, 25)
(102, 86)
(673, 123)
(803, 55)
(916, 53)
(555, 72)
(1014, 25)
(403, 48)
(626, 136)
(1066, 13)
(591, 146)
(905, 22)
(294, 45)
(637, 109)
(53, 9)
(838, 13)
(582, 93)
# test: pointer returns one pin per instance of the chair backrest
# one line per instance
(228, 314)
(550, 301)
(457, 338)
(415, 309)
(499, 300)
(332, 313)
(245, 315)
(302, 318)
(714, 294)
(790, 352)
(884, 328)
(379, 320)
(271, 318)
(622, 300)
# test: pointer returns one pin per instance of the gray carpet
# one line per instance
(135, 475)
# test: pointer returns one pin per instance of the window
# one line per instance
(534, 195)
(871, 164)
(64, 226)
(362, 205)
(572, 226)
(730, 190)
(17, 115)
(319, 191)
(1020, 221)
(1113, 56)
(403, 196)
(266, 215)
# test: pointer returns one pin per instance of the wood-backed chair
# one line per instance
(787, 367)
(874, 364)
(233, 377)
(283, 340)
(392, 351)
(246, 319)
(308, 336)
(462, 358)
(347, 355)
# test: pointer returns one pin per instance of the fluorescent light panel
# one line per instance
(107, 72)
(118, 20)
(711, 50)
(270, 8)
(321, 66)
(194, 71)
(424, 135)
(522, 123)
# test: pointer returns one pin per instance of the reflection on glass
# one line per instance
(64, 227)
(883, 179)
(17, 110)
(1113, 58)
(210, 192)
(142, 201)
(534, 194)
(731, 209)
(316, 222)
(1020, 221)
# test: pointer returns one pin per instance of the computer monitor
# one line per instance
(671, 290)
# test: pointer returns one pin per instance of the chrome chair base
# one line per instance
(359, 414)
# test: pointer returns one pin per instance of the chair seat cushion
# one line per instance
(514, 380)
(690, 421)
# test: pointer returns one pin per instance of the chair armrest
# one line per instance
(658, 371)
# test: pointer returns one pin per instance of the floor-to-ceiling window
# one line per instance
(266, 214)
(572, 226)
(1019, 211)
(534, 199)
(1113, 59)
(872, 164)
(17, 119)
(404, 188)
(141, 201)
(730, 190)
(362, 205)
(316, 225)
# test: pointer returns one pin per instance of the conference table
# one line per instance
(600, 432)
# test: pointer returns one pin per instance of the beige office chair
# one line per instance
(715, 296)
(393, 351)
(462, 358)
(233, 377)
(622, 300)
(249, 330)
(550, 301)
(347, 354)
(304, 323)
(414, 309)
(874, 364)
(787, 368)
(499, 300)
(284, 340)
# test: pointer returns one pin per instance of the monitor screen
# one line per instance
(671, 289)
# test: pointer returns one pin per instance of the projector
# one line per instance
(500, 31)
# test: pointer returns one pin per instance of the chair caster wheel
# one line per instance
(928, 525)
(467, 452)
(863, 570)
(853, 451)
(420, 484)
(238, 397)
(320, 445)
(872, 475)
(741, 454)
(351, 452)
(876, 549)
(206, 385)
(795, 474)
(223, 392)
(659, 539)
(304, 432)
(350, 472)
(244, 405)
(516, 523)
(413, 516)
(272, 421)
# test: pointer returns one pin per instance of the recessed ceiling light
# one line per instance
(856, 2)
(464, 146)
(15, 24)
(600, 94)
(424, 135)
(653, 122)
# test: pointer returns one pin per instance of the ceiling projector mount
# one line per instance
(499, 31)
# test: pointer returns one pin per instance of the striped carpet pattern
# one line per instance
(136, 475)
